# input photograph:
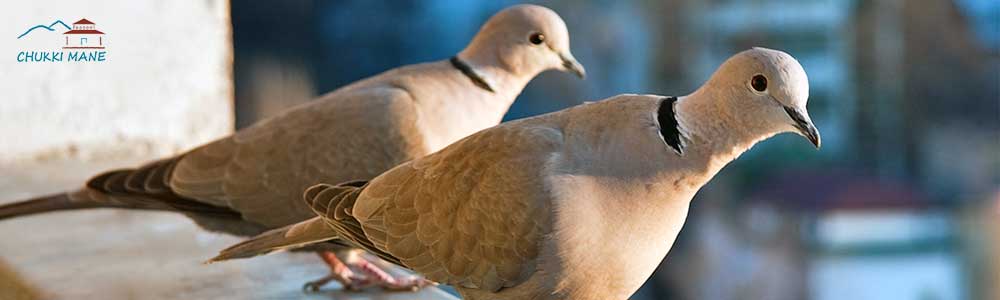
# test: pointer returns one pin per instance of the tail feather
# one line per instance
(48, 203)
(143, 188)
(298, 235)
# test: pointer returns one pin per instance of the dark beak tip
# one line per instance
(804, 126)
(813, 136)
(574, 67)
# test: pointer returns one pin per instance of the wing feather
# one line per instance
(262, 170)
(471, 215)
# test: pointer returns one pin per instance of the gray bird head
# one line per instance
(767, 91)
(525, 40)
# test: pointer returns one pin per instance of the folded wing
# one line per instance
(471, 215)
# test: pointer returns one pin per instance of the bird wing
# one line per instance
(146, 187)
(262, 170)
(290, 237)
(471, 215)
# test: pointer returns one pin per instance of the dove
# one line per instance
(581, 203)
(252, 181)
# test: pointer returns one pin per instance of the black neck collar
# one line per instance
(467, 70)
(669, 127)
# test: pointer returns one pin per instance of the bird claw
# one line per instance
(370, 275)
(413, 283)
(315, 285)
(349, 283)
(376, 276)
(312, 286)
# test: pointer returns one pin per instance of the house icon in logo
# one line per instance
(84, 36)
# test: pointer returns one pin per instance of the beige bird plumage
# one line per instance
(253, 180)
(579, 204)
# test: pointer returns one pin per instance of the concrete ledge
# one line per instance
(118, 254)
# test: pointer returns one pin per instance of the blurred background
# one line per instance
(902, 202)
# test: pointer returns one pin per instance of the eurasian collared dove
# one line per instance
(253, 180)
(578, 204)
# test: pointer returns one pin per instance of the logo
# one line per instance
(80, 43)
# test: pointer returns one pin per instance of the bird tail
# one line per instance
(293, 236)
(48, 203)
(144, 188)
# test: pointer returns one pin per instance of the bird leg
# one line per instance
(378, 277)
(372, 275)
(338, 271)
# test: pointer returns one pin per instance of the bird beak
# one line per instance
(804, 125)
(571, 65)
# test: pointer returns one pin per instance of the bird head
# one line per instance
(766, 91)
(525, 40)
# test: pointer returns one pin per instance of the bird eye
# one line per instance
(536, 38)
(759, 83)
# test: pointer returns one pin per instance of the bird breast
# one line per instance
(610, 235)
(445, 120)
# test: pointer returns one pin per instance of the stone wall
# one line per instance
(162, 84)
